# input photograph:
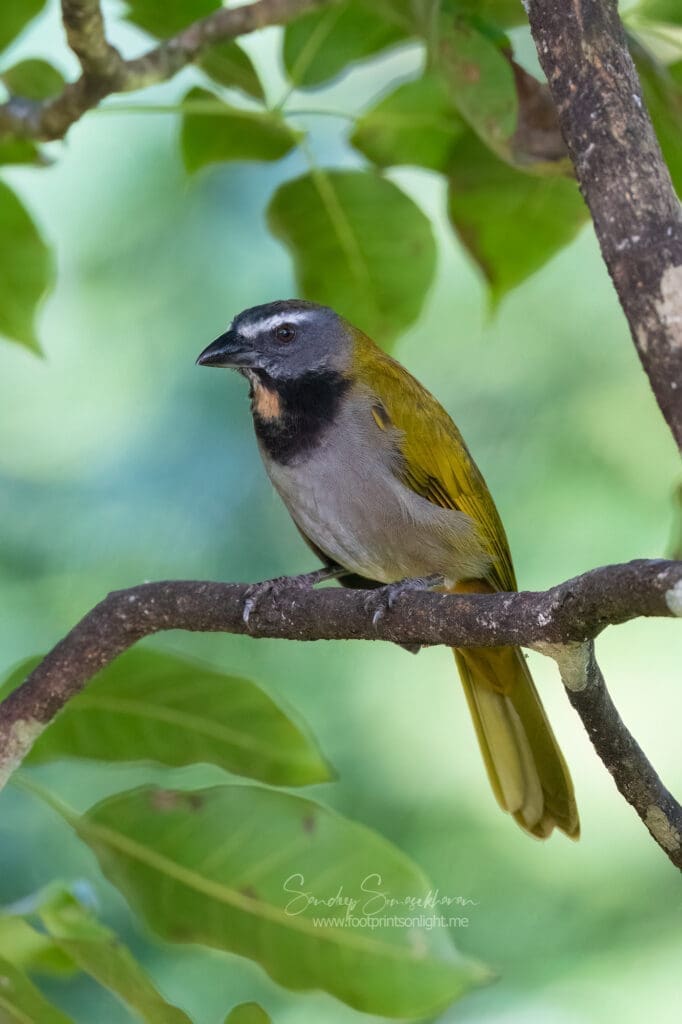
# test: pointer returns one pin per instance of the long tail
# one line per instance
(527, 770)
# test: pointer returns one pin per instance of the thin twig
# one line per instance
(554, 621)
(105, 72)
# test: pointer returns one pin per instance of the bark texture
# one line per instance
(623, 177)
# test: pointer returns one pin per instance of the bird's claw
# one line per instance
(274, 588)
(380, 611)
(383, 600)
(254, 594)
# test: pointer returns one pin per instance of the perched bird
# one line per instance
(380, 484)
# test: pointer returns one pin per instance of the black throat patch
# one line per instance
(290, 416)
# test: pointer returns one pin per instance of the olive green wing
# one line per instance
(435, 461)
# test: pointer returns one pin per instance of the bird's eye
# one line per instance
(285, 333)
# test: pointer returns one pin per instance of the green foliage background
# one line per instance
(121, 461)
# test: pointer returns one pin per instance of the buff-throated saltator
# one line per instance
(378, 480)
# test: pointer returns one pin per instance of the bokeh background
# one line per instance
(121, 461)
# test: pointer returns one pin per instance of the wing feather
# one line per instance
(434, 460)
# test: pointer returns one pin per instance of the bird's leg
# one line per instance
(280, 584)
(381, 601)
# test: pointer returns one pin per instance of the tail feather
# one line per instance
(527, 771)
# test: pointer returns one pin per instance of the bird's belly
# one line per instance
(360, 515)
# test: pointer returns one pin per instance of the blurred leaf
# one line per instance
(663, 97)
(20, 151)
(98, 952)
(33, 79)
(537, 142)
(359, 244)
(675, 545)
(415, 124)
(226, 867)
(230, 133)
(31, 950)
(171, 16)
(151, 706)
(22, 1003)
(667, 11)
(248, 1013)
(14, 15)
(229, 65)
(508, 108)
(503, 13)
(481, 83)
(419, 124)
(511, 223)
(319, 45)
(25, 270)
(17, 675)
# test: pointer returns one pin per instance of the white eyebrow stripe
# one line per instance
(267, 323)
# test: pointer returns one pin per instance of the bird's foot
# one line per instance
(280, 584)
(381, 601)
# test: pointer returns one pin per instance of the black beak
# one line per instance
(227, 350)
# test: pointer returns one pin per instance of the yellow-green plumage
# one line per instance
(527, 771)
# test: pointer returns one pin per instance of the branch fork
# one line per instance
(561, 622)
(105, 72)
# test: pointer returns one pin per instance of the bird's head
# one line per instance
(284, 341)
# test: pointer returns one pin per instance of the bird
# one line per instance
(382, 487)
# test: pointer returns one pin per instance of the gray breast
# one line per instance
(347, 500)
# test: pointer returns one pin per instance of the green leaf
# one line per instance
(481, 83)
(502, 13)
(674, 549)
(14, 16)
(248, 1013)
(226, 867)
(415, 124)
(217, 132)
(359, 244)
(667, 11)
(22, 1003)
(227, 64)
(152, 706)
(98, 952)
(19, 151)
(25, 270)
(76, 940)
(511, 223)
(33, 79)
(31, 950)
(170, 16)
(663, 97)
(321, 44)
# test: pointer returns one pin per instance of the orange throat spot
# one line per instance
(266, 403)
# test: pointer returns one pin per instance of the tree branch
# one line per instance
(623, 177)
(561, 622)
(105, 72)
(85, 35)
(621, 754)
